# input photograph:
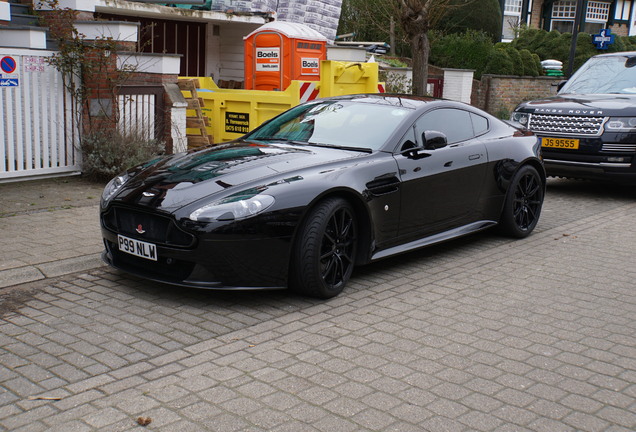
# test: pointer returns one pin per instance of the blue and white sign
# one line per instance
(9, 71)
(604, 39)
(8, 64)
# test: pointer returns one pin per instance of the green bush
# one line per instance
(531, 64)
(474, 50)
(469, 50)
(106, 154)
(554, 45)
(468, 15)
(500, 63)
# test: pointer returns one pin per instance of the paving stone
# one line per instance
(484, 333)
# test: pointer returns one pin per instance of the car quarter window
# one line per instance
(454, 123)
(480, 124)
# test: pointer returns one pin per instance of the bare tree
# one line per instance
(414, 18)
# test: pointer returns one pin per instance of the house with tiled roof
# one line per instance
(618, 15)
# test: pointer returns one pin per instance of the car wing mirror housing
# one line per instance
(434, 140)
(560, 85)
(412, 150)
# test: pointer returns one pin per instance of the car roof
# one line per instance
(618, 54)
(397, 100)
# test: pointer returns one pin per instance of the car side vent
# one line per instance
(565, 124)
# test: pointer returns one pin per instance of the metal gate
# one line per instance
(38, 131)
(141, 111)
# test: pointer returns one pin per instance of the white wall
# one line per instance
(230, 51)
(458, 84)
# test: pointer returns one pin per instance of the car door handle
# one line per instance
(474, 157)
(447, 164)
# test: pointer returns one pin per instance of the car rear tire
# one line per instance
(524, 200)
(324, 253)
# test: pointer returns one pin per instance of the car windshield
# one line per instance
(603, 75)
(341, 123)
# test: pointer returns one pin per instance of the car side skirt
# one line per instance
(436, 238)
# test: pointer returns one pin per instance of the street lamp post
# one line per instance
(578, 17)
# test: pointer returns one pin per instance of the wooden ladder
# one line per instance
(189, 89)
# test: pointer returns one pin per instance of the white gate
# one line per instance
(38, 134)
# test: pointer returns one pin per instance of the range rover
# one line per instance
(588, 130)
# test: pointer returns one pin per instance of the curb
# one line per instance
(32, 273)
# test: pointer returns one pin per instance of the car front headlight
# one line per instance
(113, 187)
(520, 117)
(232, 208)
(621, 124)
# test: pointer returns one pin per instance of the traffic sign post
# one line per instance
(9, 71)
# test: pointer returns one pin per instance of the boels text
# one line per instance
(267, 54)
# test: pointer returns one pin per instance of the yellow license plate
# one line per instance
(563, 143)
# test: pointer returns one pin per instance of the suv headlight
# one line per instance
(520, 117)
(621, 124)
(231, 208)
(113, 187)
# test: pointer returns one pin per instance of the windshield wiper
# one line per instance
(350, 148)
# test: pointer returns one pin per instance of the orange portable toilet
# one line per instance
(279, 52)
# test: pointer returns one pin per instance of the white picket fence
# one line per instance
(38, 133)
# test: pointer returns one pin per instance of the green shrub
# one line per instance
(500, 63)
(517, 60)
(554, 45)
(108, 153)
(460, 16)
(474, 50)
(531, 64)
(469, 50)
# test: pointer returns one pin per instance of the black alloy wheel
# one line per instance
(324, 254)
(523, 203)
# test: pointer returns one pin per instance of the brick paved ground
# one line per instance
(48, 228)
(481, 334)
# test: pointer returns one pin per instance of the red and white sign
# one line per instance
(268, 59)
(310, 66)
(381, 88)
(308, 91)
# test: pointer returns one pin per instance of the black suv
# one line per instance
(588, 130)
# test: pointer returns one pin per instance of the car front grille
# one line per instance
(156, 228)
(566, 124)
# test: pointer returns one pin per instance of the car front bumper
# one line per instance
(212, 264)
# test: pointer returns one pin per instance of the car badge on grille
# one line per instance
(140, 229)
(148, 194)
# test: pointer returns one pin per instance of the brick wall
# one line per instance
(500, 94)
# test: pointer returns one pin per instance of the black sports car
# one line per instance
(325, 186)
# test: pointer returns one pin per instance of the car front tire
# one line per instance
(324, 253)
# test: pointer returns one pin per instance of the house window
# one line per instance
(564, 9)
(564, 13)
(623, 8)
(513, 7)
(511, 18)
(597, 12)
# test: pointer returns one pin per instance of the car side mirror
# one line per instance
(434, 140)
(560, 85)
(412, 150)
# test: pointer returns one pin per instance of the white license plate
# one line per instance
(137, 248)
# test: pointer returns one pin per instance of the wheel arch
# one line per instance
(363, 217)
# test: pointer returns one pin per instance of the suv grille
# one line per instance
(564, 124)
